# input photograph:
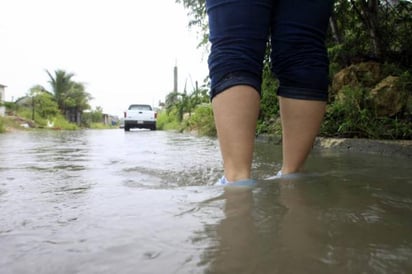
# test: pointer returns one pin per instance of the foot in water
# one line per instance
(241, 183)
(280, 175)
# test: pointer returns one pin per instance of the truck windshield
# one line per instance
(140, 107)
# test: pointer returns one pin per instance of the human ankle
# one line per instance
(236, 177)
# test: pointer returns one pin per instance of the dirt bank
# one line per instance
(383, 147)
(402, 148)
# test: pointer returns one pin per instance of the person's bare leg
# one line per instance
(301, 120)
(236, 111)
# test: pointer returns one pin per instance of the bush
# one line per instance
(202, 120)
(268, 121)
(61, 123)
(2, 127)
(353, 115)
(167, 120)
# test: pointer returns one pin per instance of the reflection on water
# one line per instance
(144, 202)
(312, 226)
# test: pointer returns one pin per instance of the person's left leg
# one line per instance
(301, 120)
(239, 31)
(300, 62)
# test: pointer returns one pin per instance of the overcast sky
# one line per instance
(123, 50)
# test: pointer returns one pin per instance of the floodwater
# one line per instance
(106, 201)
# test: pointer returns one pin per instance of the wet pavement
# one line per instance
(105, 201)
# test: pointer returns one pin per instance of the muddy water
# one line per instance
(144, 202)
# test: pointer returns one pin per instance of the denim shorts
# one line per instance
(239, 35)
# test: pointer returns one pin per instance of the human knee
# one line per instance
(238, 42)
(310, 83)
(235, 79)
(302, 68)
(235, 61)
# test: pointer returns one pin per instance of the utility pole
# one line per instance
(175, 78)
(32, 107)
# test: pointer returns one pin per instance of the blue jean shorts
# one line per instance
(239, 34)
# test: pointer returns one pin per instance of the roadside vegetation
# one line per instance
(2, 126)
(64, 106)
(370, 49)
(188, 112)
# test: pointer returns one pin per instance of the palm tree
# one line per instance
(71, 96)
(77, 97)
(61, 83)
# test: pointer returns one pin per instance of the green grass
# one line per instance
(2, 127)
(101, 126)
(167, 121)
(202, 121)
(61, 123)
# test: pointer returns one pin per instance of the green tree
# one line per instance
(70, 96)
(92, 117)
(360, 30)
(371, 29)
(197, 14)
(97, 115)
(61, 83)
(172, 99)
(77, 98)
(377, 29)
(199, 96)
(43, 102)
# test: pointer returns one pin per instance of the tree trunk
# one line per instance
(335, 31)
(368, 13)
(372, 17)
(338, 38)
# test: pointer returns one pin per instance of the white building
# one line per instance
(2, 97)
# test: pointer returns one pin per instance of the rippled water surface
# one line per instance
(107, 201)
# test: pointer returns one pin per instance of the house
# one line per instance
(110, 120)
(2, 98)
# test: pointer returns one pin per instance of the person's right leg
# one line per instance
(236, 111)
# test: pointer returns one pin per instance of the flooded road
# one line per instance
(106, 201)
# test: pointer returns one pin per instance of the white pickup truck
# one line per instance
(140, 116)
